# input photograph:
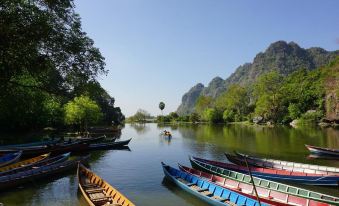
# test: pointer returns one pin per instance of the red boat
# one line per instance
(271, 197)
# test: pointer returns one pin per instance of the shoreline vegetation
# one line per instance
(301, 98)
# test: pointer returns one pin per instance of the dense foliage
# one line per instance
(45, 61)
(82, 111)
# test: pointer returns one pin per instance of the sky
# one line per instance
(156, 50)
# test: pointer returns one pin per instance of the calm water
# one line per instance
(138, 173)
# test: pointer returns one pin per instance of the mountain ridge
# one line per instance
(280, 56)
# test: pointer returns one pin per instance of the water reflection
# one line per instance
(140, 128)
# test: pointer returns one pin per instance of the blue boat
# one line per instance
(10, 158)
(210, 193)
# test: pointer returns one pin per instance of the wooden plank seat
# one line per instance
(206, 192)
(94, 190)
(183, 181)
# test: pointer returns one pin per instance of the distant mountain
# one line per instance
(280, 56)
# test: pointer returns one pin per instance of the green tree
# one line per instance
(234, 102)
(161, 106)
(267, 91)
(82, 111)
(212, 115)
(203, 102)
(194, 117)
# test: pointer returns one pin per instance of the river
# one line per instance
(138, 174)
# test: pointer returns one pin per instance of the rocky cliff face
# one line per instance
(189, 99)
(281, 56)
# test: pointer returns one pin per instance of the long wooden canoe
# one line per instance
(24, 163)
(263, 183)
(47, 161)
(265, 195)
(323, 150)
(54, 149)
(97, 191)
(290, 166)
(38, 143)
(38, 173)
(109, 145)
(278, 174)
(10, 158)
(205, 190)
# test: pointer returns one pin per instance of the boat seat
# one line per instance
(206, 192)
(90, 185)
(218, 198)
(183, 180)
(94, 190)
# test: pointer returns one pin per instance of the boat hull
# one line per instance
(263, 183)
(323, 151)
(223, 193)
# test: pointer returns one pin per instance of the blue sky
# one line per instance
(156, 50)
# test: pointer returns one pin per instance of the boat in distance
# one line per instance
(206, 191)
(109, 145)
(97, 191)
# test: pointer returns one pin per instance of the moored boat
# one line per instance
(290, 166)
(278, 174)
(109, 145)
(263, 183)
(38, 143)
(10, 158)
(266, 195)
(38, 173)
(207, 191)
(323, 150)
(90, 139)
(54, 149)
(24, 163)
(46, 161)
(97, 191)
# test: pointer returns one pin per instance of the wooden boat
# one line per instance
(290, 166)
(54, 149)
(265, 195)
(263, 183)
(10, 158)
(279, 175)
(205, 190)
(109, 145)
(323, 150)
(39, 143)
(90, 139)
(24, 163)
(47, 161)
(97, 191)
(38, 173)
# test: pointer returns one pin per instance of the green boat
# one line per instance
(263, 183)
